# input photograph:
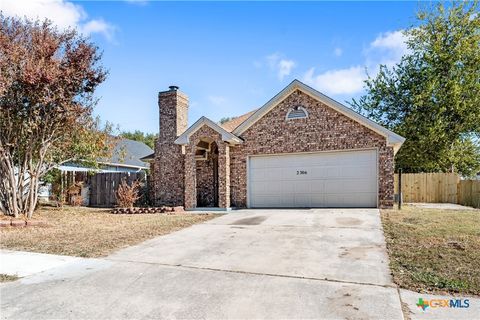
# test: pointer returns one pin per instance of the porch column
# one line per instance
(223, 175)
(190, 198)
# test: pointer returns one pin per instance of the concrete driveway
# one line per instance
(317, 263)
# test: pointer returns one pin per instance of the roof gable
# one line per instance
(393, 139)
(184, 138)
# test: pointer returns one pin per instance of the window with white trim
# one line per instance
(297, 112)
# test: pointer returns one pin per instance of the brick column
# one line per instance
(223, 175)
(190, 191)
(386, 185)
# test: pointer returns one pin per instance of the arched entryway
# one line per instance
(206, 164)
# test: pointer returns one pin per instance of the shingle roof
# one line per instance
(129, 152)
(235, 122)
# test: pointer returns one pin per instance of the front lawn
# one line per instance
(433, 250)
(90, 232)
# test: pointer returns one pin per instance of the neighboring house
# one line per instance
(127, 156)
(301, 149)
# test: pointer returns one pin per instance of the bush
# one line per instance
(127, 194)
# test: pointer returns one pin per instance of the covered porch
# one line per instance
(206, 147)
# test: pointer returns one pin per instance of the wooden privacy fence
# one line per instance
(439, 187)
(103, 186)
(469, 193)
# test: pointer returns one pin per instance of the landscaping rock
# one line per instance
(5, 223)
(149, 210)
(178, 209)
(18, 223)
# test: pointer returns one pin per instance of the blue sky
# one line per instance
(228, 57)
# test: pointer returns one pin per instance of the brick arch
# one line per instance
(205, 132)
(207, 174)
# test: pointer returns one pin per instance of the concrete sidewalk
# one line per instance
(22, 264)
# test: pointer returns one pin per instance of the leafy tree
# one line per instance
(137, 135)
(47, 80)
(432, 96)
(225, 119)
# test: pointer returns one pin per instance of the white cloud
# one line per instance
(341, 81)
(387, 48)
(62, 13)
(285, 68)
(282, 66)
(98, 26)
(391, 40)
(337, 52)
(217, 100)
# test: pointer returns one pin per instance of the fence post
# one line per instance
(400, 189)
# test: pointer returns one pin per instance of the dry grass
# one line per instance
(433, 250)
(7, 277)
(89, 232)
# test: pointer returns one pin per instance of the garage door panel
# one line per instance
(258, 163)
(361, 200)
(360, 171)
(301, 187)
(288, 200)
(273, 174)
(325, 179)
(318, 200)
(357, 186)
(288, 188)
(334, 186)
(268, 201)
(317, 172)
(294, 173)
(334, 200)
(317, 186)
(302, 200)
(332, 172)
(258, 187)
(257, 174)
(330, 159)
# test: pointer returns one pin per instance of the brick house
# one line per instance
(301, 149)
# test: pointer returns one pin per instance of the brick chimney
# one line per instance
(169, 163)
(173, 105)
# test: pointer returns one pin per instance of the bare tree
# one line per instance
(47, 80)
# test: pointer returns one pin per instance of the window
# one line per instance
(297, 112)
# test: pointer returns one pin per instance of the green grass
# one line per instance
(433, 250)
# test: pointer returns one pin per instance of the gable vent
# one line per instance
(297, 113)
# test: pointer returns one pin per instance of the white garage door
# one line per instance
(324, 179)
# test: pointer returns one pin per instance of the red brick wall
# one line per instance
(169, 160)
(207, 133)
(206, 193)
(323, 130)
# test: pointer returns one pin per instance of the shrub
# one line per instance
(127, 194)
